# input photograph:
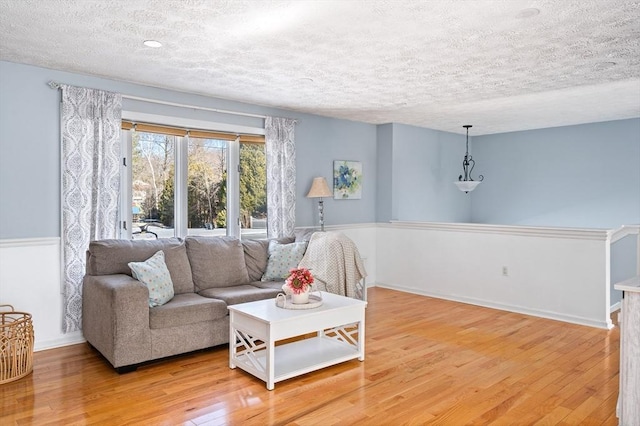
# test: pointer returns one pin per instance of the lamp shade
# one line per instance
(319, 188)
(467, 186)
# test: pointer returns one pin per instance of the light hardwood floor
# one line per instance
(428, 361)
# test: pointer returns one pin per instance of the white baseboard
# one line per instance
(509, 308)
(69, 339)
(615, 307)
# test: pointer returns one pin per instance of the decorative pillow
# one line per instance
(154, 273)
(282, 258)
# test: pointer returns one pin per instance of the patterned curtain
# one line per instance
(90, 127)
(281, 176)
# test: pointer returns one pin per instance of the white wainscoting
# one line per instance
(561, 274)
(30, 281)
(555, 273)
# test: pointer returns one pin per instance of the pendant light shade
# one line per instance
(465, 182)
(467, 186)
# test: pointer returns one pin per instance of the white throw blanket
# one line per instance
(335, 263)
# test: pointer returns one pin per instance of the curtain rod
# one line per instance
(56, 85)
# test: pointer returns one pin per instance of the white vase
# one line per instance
(300, 298)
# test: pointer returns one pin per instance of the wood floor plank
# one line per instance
(554, 417)
(428, 361)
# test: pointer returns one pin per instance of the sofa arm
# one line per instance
(115, 318)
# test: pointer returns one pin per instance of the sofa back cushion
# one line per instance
(107, 257)
(256, 255)
(216, 262)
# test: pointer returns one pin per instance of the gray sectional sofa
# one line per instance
(208, 273)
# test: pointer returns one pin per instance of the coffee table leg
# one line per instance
(270, 364)
(361, 340)
(232, 342)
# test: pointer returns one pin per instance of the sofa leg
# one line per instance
(126, 369)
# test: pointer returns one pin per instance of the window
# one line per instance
(180, 182)
(153, 172)
(253, 190)
(207, 187)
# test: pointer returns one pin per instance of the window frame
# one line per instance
(249, 134)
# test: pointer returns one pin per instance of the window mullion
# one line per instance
(180, 184)
(233, 188)
(126, 205)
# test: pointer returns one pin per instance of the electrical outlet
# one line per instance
(505, 271)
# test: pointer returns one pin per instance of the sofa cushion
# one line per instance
(179, 267)
(239, 293)
(285, 240)
(282, 258)
(154, 274)
(273, 285)
(185, 309)
(256, 255)
(216, 262)
(303, 234)
(108, 257)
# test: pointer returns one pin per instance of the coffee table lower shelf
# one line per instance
(297, 358)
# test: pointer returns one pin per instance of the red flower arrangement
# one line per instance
(299, 280)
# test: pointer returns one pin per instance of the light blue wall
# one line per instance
(574, 176)
(384, 181)
(320, 141)
(425, 164)
(30, 148)
(29, 154)
(585, 176)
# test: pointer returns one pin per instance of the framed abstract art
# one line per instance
(347, 180)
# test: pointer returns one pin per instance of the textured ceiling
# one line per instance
(435, 64)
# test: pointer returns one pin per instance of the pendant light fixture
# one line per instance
(466, 183)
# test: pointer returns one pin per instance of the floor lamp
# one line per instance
(320, 189)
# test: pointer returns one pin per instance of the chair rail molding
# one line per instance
(625, 230)
(533, 231)
(26, 242)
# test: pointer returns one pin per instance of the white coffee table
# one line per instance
(255, 327)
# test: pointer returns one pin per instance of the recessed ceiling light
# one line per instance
(152, 43)
(528, 13)
(605, 65)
